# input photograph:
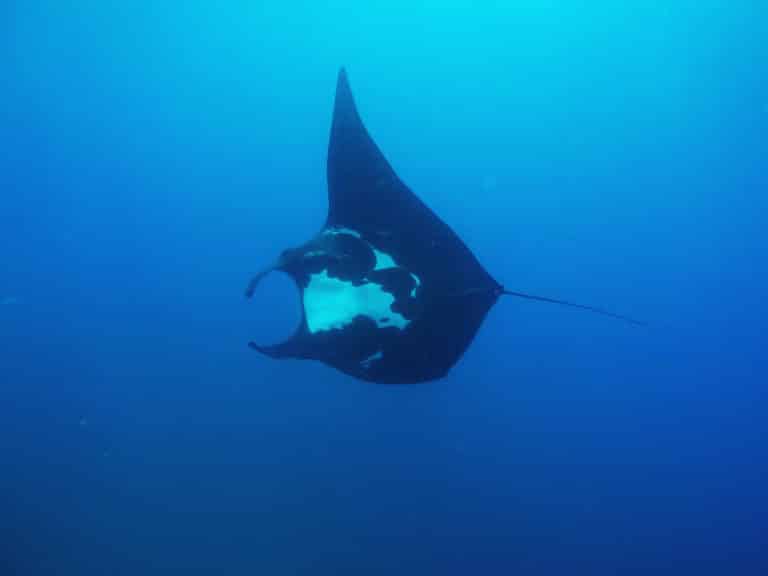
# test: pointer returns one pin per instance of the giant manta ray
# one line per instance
(389, 292)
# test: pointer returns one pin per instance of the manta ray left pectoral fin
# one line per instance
(363, 188)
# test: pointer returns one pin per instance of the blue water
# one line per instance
(154, 155)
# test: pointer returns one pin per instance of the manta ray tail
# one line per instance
(574, 305)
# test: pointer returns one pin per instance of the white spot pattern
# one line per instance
(331, 304)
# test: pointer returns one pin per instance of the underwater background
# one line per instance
(154, 155)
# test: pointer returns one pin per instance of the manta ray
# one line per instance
(389, 292)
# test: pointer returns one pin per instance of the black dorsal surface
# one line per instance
(389, 292)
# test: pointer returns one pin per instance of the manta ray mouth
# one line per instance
(278, 309)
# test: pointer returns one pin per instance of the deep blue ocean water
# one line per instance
(154, 155)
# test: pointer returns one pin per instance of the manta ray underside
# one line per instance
(389, 292)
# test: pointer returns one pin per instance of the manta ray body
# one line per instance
(389, 292)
